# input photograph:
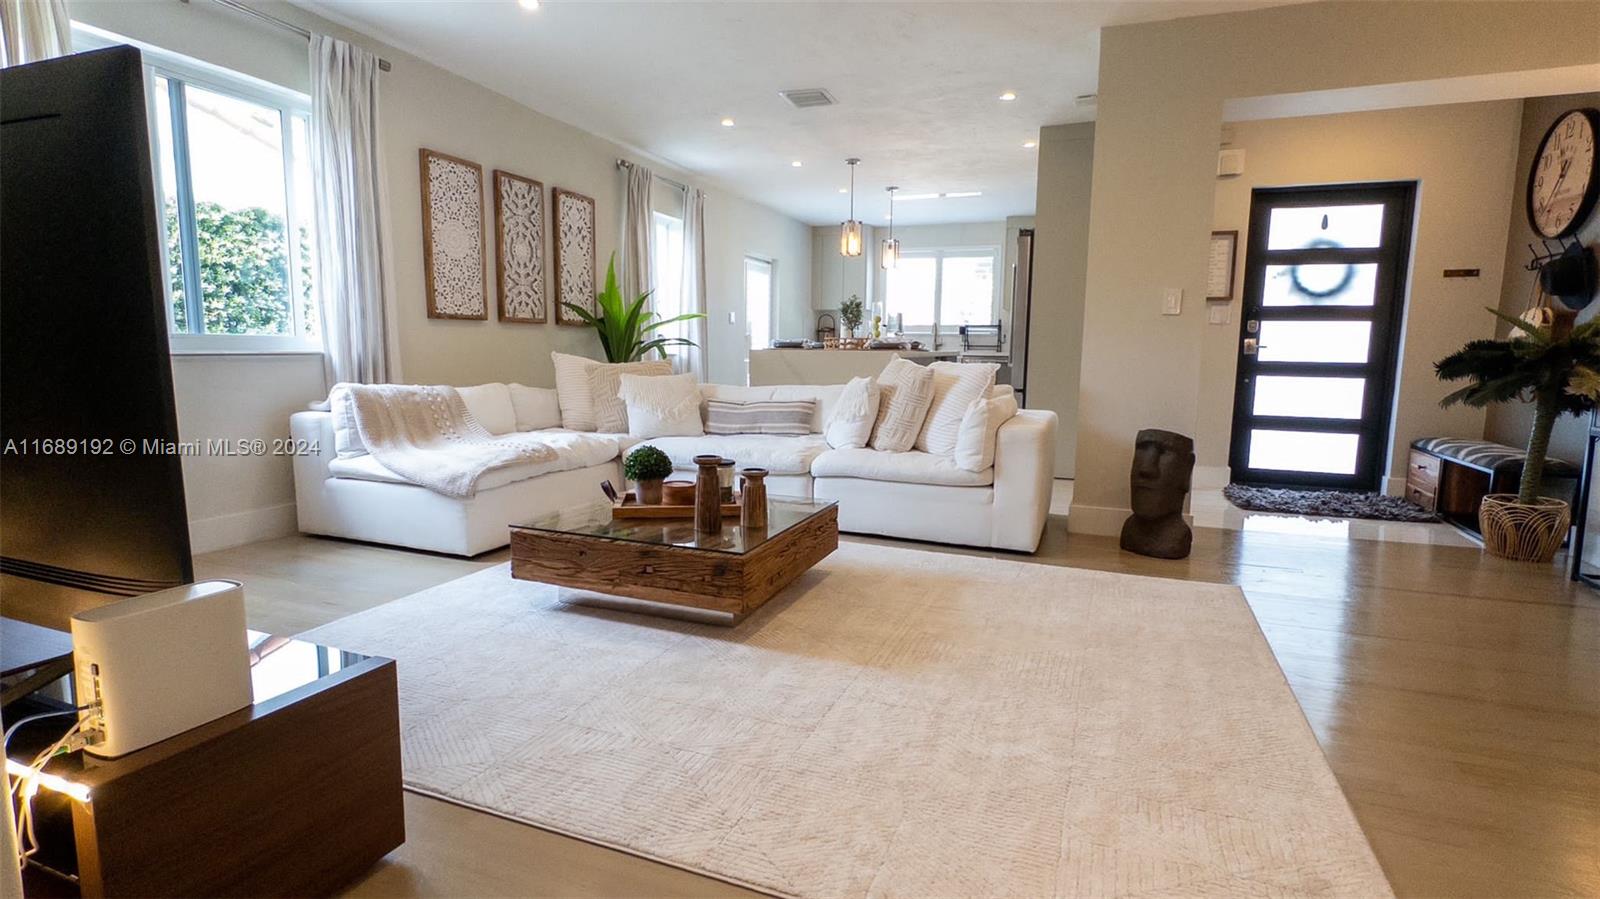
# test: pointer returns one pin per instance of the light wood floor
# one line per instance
(1456, 696)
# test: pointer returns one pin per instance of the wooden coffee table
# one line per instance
(665, 567)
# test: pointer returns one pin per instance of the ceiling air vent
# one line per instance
(806, 98)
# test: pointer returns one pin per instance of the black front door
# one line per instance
(1320, 328)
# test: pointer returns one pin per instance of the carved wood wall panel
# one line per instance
(519, 249)
(453, 241)
(575, 254)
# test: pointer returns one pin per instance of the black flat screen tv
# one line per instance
(91, 497)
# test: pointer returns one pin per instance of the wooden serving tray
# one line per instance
(632, 508)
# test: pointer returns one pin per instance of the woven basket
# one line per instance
(1524, 533)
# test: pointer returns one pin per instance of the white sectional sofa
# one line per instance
(342, 492)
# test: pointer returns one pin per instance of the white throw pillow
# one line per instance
(536, 408)
(856, 413)
(907, 393)
(575, 391)
(347, 441)
(491, 405)
(661, 405)
(605, 381)
(975, 443)
(955, 387)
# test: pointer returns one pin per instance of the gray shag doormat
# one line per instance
(1326, 503)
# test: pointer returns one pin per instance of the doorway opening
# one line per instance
(1319, 335)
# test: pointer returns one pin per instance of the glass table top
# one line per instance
(594, 520)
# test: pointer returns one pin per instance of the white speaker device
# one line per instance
(160, 664)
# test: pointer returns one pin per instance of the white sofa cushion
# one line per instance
(907, 394)
(911, 467)
(851, 425)
(605, 383)
(956, 386)
(778, 455)
(825, 395)
(536, 408)
(975, 443)
(574, 450)
(491, 405)
(661, 406)
(346, 436)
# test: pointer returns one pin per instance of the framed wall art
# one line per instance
(519, 249)
(1221, 265)
(453, 242)
(575, 252)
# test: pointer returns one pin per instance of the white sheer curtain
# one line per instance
(354, 258)
(637, 240)
(31, 30)
(694, 283)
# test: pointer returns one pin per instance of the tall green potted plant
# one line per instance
(1556, 367)
(623, 327)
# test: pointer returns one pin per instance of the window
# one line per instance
(758, 296)
(233, 184)
(938, 290)
(667, 300)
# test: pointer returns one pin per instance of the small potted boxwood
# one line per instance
(647, 467)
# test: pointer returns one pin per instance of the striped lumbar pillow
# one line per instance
(759, 417)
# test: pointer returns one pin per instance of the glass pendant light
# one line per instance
(850, 229)
(889, 256)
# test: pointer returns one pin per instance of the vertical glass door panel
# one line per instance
(1311, 451)
(758, 302)
(1335, 284)
(1302, 227)
(1295, 397)
(1314, 341)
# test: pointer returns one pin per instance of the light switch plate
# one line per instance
(1217, 313)
(731, 320)
(1172, 301)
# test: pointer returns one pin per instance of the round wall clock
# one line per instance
(1563, 183)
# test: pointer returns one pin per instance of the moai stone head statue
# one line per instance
(1163, 463)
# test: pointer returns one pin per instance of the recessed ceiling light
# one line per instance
(844, 190)
(900, 197)
(1029, 144)
(796, 163)
(963, 193)
(1008, 96)
(727, 123)
(528, 4)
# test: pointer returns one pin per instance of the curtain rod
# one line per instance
(235, 5)
(625, 164)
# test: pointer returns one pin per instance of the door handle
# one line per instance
(1250, 346)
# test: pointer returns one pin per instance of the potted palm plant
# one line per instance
(1556, 367)
(624, 327)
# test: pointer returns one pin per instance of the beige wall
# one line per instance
(1509, 424)
(751, 230)
(1161, 91)
(1060, 259)
(423, 106)
(1457, 225)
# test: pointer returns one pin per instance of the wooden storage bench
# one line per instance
(1451, 476)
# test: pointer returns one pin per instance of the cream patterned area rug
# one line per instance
(896, 723)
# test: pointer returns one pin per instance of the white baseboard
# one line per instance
(236, 529)
(1211, 477)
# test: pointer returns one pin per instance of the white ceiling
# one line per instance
(917, 85)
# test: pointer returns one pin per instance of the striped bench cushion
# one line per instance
(760, 417)
(1495, 457)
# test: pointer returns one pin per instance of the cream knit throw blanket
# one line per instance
(427, 436)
